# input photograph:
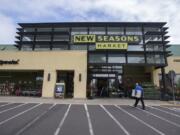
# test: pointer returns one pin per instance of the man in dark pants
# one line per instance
(139, 92)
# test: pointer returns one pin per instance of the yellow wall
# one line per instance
(50, 62)
(172, 65)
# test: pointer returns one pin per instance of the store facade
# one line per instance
(99, 58)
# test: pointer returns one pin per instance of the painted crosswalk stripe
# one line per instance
(116, 121)
(89, 120)
(164, 111)
(33, 121)
(153, 128)
(62, 121)
(2, 122)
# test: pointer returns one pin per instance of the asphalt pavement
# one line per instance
(83, 119)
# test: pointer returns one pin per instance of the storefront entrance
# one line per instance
(67, 77)
(105, 80)
(102, 87)
(116, 81)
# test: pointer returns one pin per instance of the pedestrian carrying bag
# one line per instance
(138, 94)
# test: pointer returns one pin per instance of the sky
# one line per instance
(34, 11)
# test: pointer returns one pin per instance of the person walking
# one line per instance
(139, 95)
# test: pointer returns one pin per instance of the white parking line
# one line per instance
(153, 128)
(89, 120)
(12, 108)
(62, 121)
(170, 122)
(33, 121)
(176, 109)
(2, 122)
(5, 104)
(172, 109)
(116, 121)
(165, 111)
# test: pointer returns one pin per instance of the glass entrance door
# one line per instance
(105, 81)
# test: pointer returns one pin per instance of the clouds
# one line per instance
(15, 11)
(7, 30)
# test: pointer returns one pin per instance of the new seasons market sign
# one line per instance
(107, 41)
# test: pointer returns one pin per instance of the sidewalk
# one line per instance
(104, 101)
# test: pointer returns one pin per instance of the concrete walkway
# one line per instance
(103, 101)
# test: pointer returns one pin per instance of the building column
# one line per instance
(49, 82)
(80, 80)
(163, 89)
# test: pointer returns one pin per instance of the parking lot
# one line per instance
(71, 119)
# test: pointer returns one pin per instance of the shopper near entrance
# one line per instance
(139, 95)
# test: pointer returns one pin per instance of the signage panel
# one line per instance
(84, 39)
(2, 62)
(105, 38)
(107, 41)
(110, 45)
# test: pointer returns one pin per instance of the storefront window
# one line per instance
(116, 58)
(151, 29)
(158, 59)
(133, 31)
(78, 47)
(61, 38)
(136, 58)
(44, 29)
(60, 47)
(154, 47)
(21, 83)
(40, 47)
(153, 38)
(26, 47)
(79, 30)
(115, 31)
(135, 48)
(97, 58)
(150, 59)
(29, 29)
(92, 47)
(97, 30)
(61, 29)
(43, 38)
(28, 38)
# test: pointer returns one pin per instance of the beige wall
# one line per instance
(50, 62)
(172, 65)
